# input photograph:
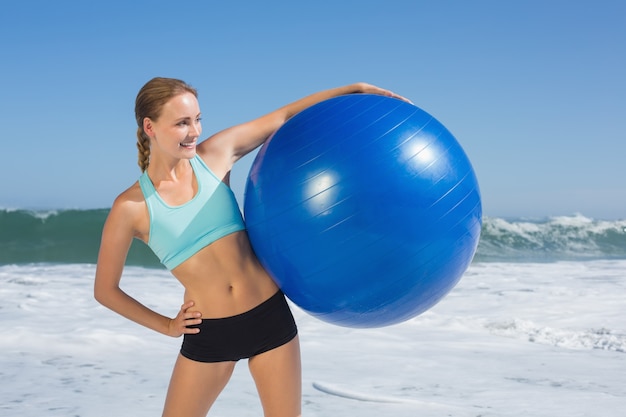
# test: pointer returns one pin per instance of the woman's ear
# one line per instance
(148, 127)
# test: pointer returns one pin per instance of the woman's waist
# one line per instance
(226, 295)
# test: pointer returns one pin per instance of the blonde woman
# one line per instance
(183, 208)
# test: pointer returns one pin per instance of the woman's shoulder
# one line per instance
(129, 211)
(130, 200)
(218, 161)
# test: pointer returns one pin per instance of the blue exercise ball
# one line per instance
(364, 209)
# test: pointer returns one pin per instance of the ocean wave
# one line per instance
(556, 238)
(73, 236)
(59, 236)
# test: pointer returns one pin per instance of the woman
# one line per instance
(183, 208)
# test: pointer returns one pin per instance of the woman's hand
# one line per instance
(178, 325)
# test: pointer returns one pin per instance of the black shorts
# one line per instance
(265, 327)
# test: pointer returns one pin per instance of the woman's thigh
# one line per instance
(278, 377)
(194, 386)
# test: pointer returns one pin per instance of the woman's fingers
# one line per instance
(184, 318)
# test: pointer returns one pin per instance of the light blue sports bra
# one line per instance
(178, 232)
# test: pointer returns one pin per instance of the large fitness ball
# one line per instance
(364, 209)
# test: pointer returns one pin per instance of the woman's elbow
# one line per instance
(98, 294)
(102, 294)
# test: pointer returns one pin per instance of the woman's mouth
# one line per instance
(187, 145)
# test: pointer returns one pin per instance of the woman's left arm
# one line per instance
(239, 140)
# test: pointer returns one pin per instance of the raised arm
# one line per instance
(237, 141)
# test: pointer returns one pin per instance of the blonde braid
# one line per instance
(143, 145)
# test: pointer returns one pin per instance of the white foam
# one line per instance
(572, 339)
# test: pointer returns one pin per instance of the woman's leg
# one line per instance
(278, 377)
(194, 387)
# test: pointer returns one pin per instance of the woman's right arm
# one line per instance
(117, 236)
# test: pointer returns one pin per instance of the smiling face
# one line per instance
(177, 129)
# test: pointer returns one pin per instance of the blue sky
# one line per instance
(534, 91)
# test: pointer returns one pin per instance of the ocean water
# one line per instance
(534, 328)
